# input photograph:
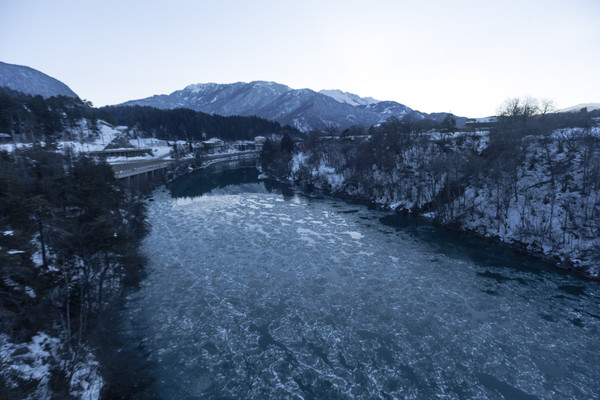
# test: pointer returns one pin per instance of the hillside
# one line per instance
(303, 109)
(530, 182)
(31, 81)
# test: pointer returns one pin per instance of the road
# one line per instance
(123, 170)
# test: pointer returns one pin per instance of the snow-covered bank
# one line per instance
(541, 194)
(30, 365)
(64, 261)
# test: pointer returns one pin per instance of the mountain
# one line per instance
(389, 108)
(348, 98)
(303, 109)
(28, 80)
(578, 107)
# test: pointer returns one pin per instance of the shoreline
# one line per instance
(566, 266)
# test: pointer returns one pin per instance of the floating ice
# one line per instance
(237, 304)
(355, 235)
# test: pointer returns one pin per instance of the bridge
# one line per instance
(128, 169)
(133, 168)
(226, 156)
(140, 152)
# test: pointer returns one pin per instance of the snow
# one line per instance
(36, 257)
(355, 235)
(83, 140)
(486, 119)
(200, 87)
(589, 106)
(213, 141)
(9, 282)
(98, 143)
(8, 233)
(31, 81)
(348, 98)
(12, 252)
(86, 382)
(553, 227)
(33, 361)
(30, 292)
(8, 147)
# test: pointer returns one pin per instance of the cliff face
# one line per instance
(541, 193)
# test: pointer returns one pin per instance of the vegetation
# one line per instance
(185, 124)
(69, 237)
(33, 118)
(532, 180)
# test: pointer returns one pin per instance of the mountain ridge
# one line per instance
(31, 81)
(578, 107)
(304, 109)
(349, 98)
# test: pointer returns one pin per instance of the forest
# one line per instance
(32, 118)
(532, 181)
(69, 237)
(190, 125)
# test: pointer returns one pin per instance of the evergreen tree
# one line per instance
(449, 124)
(286, 145)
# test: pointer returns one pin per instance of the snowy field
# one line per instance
(98, 142)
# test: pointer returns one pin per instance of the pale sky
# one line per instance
(465, 57)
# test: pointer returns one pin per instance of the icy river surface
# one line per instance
(256, 290)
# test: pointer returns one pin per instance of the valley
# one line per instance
(250, 240)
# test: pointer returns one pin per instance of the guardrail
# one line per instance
(210, 157)
(140, 170)
(125, 173)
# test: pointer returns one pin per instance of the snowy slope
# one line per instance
(548, 205)
(578, 107)
(304, 109)
(31, 81)
(348, 98)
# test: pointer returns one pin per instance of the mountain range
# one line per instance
(31, 81)
(303, 109)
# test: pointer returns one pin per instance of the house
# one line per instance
(213, 145)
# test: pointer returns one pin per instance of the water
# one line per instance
(255, 290)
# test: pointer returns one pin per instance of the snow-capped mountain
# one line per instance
(31, 81)
(578, 107)
(389, 108)
(303, 109)
(348, 98)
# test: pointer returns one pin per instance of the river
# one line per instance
(258, 290)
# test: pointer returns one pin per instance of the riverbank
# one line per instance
(540, 197)
(583, 270)
(519, 248)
